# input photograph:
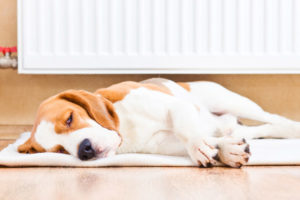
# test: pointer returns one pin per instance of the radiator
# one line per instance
(159, 36)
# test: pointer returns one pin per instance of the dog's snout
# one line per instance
(85, 150)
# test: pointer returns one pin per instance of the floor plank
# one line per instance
(13, 131)
(9, 133)
(5, 143)
(151, 183)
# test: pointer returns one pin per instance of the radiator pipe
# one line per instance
(7, 60)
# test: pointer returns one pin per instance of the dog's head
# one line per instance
(76, 122)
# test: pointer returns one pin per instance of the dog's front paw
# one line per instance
(234, 152)
(202, 153)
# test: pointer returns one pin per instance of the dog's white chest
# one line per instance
(145, 125)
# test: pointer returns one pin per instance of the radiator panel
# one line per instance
(159, 36)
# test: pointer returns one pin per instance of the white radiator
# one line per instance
(159, 36)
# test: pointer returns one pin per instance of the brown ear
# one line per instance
(30, 147)
(97, 107)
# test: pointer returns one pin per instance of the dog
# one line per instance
(155, 116)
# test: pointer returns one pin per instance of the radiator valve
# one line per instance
(7, 60)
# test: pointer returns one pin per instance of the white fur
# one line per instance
(154, 122)
(145, 125)
(100, 137)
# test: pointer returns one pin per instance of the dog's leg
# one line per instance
(229, 126)
(284, 130)
(221, 100)
(196, 129)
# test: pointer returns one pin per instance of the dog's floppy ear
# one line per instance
(26, 147)
(98, 108)
(30, 147)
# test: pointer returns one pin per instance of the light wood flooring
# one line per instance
(150, 183)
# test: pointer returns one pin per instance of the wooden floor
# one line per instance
(150, 183)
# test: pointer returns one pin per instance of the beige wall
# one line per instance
(8, 22)
(20, 95)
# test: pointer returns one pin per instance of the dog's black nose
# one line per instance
(85, 150)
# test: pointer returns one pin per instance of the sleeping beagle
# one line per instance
(157, 116)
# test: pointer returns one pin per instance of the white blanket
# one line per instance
(264, 152)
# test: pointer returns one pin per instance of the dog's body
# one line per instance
(199, 119)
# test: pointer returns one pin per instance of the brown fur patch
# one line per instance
(118, 91)
(186, 86)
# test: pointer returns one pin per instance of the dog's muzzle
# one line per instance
(85, 150)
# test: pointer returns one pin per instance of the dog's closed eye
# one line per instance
(69, 120)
